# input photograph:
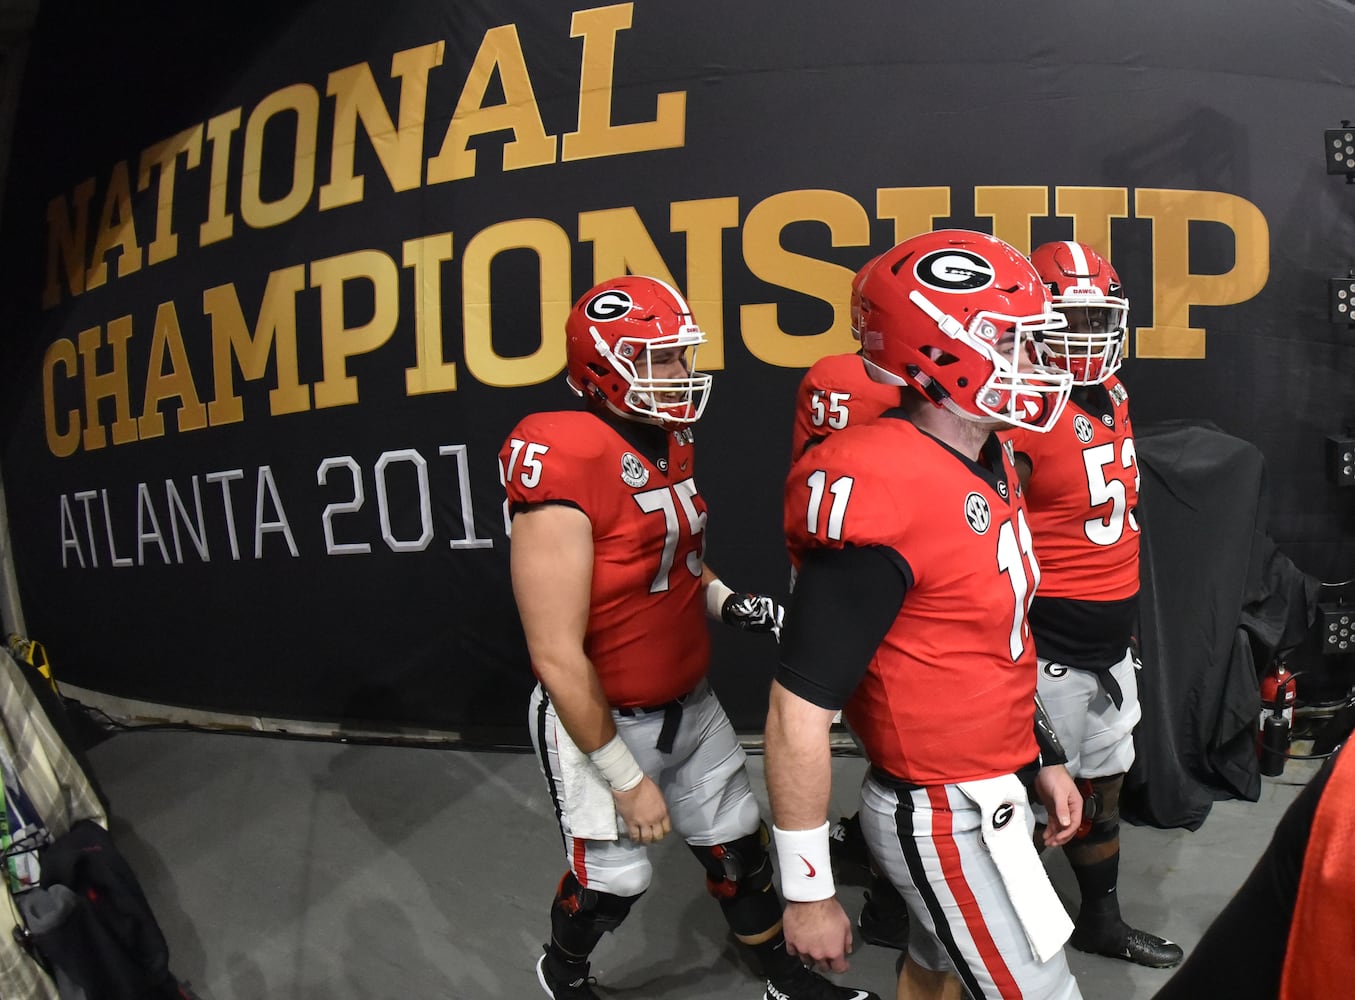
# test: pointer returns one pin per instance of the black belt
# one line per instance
(672, 718)
(1108, 682)
(1026, 775)
(892, 780)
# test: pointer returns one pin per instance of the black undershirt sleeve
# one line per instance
(844, 602)
(518, 506)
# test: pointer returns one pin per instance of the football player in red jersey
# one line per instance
(1081, 482)
(608, 570)
(835, 391)
(915, 572)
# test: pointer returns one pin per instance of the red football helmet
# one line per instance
(1087, 291)
(958, 315)
(624, 339)
(858, 321)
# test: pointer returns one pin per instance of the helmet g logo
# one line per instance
(954, 270)
(609, 305)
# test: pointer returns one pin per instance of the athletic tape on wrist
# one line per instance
(716, 593)
(806, 867)
(617, 764)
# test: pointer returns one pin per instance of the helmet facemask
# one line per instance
(631, 349)
(1086, 289)
(665, 400)
(1023, 389)
(1092, 346)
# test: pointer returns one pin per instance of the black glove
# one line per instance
(753, 613)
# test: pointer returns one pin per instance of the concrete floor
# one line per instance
(304, 870)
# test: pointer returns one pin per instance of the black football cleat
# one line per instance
(565, 982)
(848, 850)
(884, 919)
(802, 983)
(1129, 944)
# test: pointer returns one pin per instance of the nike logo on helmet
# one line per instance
(808, 867)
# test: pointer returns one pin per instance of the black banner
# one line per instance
(280, 278)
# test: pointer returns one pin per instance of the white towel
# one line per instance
(589, 810)
(1003, 804)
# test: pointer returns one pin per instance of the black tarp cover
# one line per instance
(1217, 600)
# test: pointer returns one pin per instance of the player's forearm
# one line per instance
(798, 761)
(577, 695)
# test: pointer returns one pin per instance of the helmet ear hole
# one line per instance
(938, 355)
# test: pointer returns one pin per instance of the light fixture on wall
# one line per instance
(1341, 151)
(1341, 298)
(1336, 623)
(1341, 459)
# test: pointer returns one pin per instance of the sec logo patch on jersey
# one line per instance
(1082, 427)
(977, 513)
(633, 471)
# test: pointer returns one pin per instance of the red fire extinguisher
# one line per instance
(1277, 718)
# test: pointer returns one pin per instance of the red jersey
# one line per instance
(1083, 494)
(950, 693)
(835, 392)
(646, 633)
(1320, 959)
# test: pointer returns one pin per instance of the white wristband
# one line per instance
(716, 592)
(806, 866)
(617, 764)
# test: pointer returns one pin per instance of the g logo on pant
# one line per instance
(1002, 815)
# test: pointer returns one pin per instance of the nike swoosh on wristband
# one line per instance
(812, 872)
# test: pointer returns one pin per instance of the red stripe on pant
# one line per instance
(948, 853)
(580, 864)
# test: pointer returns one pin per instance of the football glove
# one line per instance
(753, 613)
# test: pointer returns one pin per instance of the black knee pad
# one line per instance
(1104, 805)
(581, 915)
(737, 867)
(739, 875)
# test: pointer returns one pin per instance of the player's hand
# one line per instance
(753, 613)
(644, 810)
(820, 933)
(1057, 790)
